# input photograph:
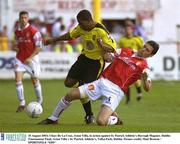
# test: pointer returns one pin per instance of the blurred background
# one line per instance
(153, 19)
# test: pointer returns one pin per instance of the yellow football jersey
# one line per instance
(91, 48)
(135, 42)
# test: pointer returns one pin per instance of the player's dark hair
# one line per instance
(23, 13)
(84, 15)
(154, 45)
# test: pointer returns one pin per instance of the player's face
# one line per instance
(85, 25)
(129, 30)
(23, 19)
(146, 51)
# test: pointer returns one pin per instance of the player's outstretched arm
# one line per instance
(146, 81)
(64, 37)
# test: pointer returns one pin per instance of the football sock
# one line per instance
(112, 120)
(38, 91)
(62, 105)
(86, 103)
(20, 92)
(138, 89)
(87, 108)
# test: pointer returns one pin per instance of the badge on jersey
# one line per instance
(91, 87)
(89, 45)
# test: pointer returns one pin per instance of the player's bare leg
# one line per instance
(89, 118)
(107, 117)
(20, 91)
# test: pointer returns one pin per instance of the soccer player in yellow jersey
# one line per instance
(129, 40)
(89, 65)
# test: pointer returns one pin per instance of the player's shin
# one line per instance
(62, 105)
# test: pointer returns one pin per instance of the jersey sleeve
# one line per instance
(76, 32)
(145, 68)
(107, 39)
(37, 39)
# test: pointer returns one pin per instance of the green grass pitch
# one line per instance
(158, 111)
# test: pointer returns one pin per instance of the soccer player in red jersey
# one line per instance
(28, 44)
(126, 68)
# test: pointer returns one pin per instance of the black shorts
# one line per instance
(86, 70)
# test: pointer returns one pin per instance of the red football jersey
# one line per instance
(25, 42)
(125, 69)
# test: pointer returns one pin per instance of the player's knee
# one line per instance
(72, 95)
(35, 81)
(68, 84)
(101, 121)
(138, 83)
(71, 83)
(68, 97)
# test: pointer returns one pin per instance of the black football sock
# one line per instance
(87, 108)
(138, 90)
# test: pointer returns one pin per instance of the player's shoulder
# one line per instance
(138, 37)
(101, 28)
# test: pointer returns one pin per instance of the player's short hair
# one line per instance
(84, 15)
(23, 13)
(154, 45)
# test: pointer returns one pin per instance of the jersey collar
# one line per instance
(19, 28)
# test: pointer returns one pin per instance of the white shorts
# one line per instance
(103, 89)
(33, 68)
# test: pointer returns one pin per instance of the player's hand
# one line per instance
(100, 41)
(48, 41)
(108, 57)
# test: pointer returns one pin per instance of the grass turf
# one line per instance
(158, 111)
